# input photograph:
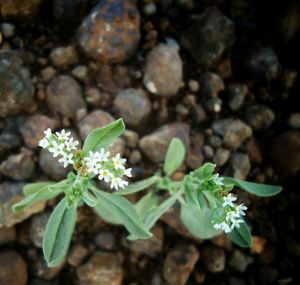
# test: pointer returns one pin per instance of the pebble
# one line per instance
(37, 228)
(131, 138)
(10, 138)
(211, 85)
(209, 37)
(77, 254)
(48, 73)
(111, 32)
(254, 151)
(11, 193)
(234, 131)
(263, 64)
(208, 151)
(51, 166)
(134, 106)
(80, 72)
(259, 117)
(239, 166)
(95, 119)
(179, 263)
(294, 120)
(150, 9)
(105, 241)
(163, 66)
(193, 85)
(236, 95)
(94, 97)
(155, 145)
(102, 268)
(33, 129)
(221, 156)
(135, 157)
(239, 261)
(285, 152)
(13, 268)
(64, 96)
(258, 244)
(8, 30)
(20, 9)
(214, 259)
(16, 88)
(214, 105)
(118, 146)
(64, 57)
(215, 141)
(18, 166)
(7, 235)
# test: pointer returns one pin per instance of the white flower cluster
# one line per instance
(60, 144)
(110, 170)
(233, 214)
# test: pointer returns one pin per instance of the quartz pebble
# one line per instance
(64, 57)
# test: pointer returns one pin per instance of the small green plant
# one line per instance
(207, 208)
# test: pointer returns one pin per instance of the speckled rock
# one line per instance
(33, 129)
(51, 166)
(37, 228)
(234, 131)
(77, 254)
(209, 37)
(19, 9)
(111, 32)
(102, 268)
(263, 64)
(16, 88)
(214, 259)
(64, 96)
(95, 119)
(11, 193)
(259, 117)
(163, 71)
(64, 57)
(7, 235)
(18, 166)
(155, 145)
(239, 166)
(13, 268)
(179, 264)
(237, 93)
(134, 106)
(285, 152)
(211, 84)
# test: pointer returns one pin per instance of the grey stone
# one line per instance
(259, 117)
(239, 166)
(214, 259)
(64, 57)
(37, 228)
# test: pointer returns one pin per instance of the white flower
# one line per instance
(102, 155)
(63, 136)
(44, 143)
(66, 159)
(127, 172)
(57, 149)
(117, 183)
(48, 133)
(240, 210)
(105, 174)
(222, 226)
(218, 180)
(118, 162)
(71, 144)
(235, 223)
(92, 162)
(228, 200)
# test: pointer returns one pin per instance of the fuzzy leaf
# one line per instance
(32, 188)
(146, 204)
(205, 171)
(241, 236)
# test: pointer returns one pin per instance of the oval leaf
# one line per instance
(32, 188)
(174, 157)
(146, 204)
(262, 190)
(103, 137)
(205, 171)
(241, 236)
(58, 233)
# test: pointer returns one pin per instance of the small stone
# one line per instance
(163, 66)
(214, 105)
(234, 131)
(16, 88)
(215, 141)
(179, 264)
(237, 94)
(149, 9)
(134, 106)
(80, 72)
(208, 151)
(155, 145)
(102, 268)
(131, 138)
(111, 32)
(254, 151)
(118, 146)
(263, 64)
(294, 120)
(135, 157)
(258, 244)
(19, 166)
(10, 138)
(48, 73)
(222, 240)
(51, 166)
(8, 30)
(211, 85)
(78, 253)
(259, 117)
(37, 228)
(105, 240)
(64, 57)
(209, 37)
(94, 120)
(239, 261)
(221, 156)
(94, 97)
(7, 235)
(20, 9)
(214, 259)
(194, 85)
(239, 166)
(64, 96)
(11, 193)
(194, 158)
(13, 268)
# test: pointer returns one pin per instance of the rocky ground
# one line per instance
(221, 75)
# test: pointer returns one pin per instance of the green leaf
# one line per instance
(139, 186)
(89, 199)
(58, 233)
(241, 236)
(205, 171)
(103, 137)
(154, 214)
(174, 157)
(262, 190)
(124, 211)
(210, 198)
(32, 188)
(146, 204)
(198, 221)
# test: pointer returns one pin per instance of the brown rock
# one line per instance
(37, 228)
(78, 253)
(19, 9)
(214, 259)
(7, 235)
(64, 57)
